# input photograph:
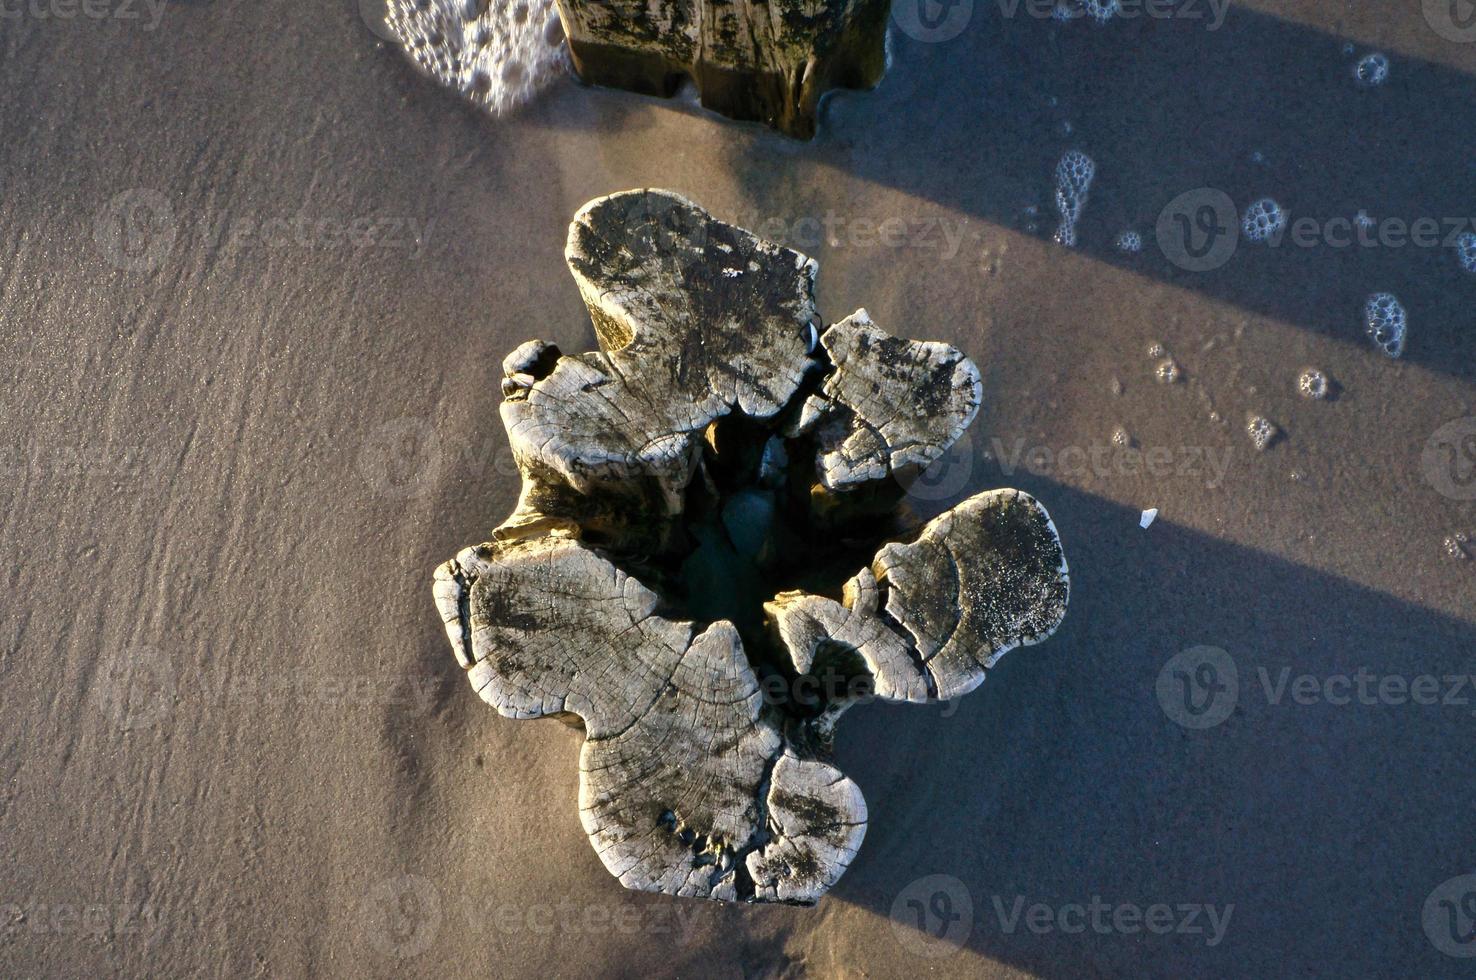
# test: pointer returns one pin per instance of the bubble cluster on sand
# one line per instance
(1465, 245)
(1387, 323)
(1264, 219)
(1167, 371)
(1100, 11)
(1122, 438)
(1156, 349)
(497, 54)
(1262, 431)
(1372, 69)
(1312, 383)
(1130, 241)
(1455, 546)
(1363, 220)
(1074, 175)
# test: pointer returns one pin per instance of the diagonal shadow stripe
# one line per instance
(1064, 778)
(1166, 107)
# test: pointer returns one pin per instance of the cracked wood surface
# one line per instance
(712, 404)
(766, 61)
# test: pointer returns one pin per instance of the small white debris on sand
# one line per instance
(1262, 431)
(1148, 517)
(1388, 324)
(1074, 175)
(1312, 383)
(1167, 371)
(1122, 438)
(1156, 349)
(1454, 548)
(1263, 220)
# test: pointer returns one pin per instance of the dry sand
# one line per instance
(235, 742)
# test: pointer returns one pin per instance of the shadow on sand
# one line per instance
(1063, 778)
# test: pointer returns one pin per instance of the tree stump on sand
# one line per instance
(709, 564)
(765, 61)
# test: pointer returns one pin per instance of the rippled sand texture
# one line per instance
(257, 279)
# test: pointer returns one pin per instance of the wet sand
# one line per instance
(236, 445)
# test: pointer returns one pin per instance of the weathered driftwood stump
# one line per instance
(767, 60)
(693, 571)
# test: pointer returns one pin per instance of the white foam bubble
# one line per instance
(1313, 383)
(1372, 69)
(1263, 220)
(1074, 176)
(1387, 323)
(1465, 244)
(498, 58)
(1130, 241)
(1262, 431)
